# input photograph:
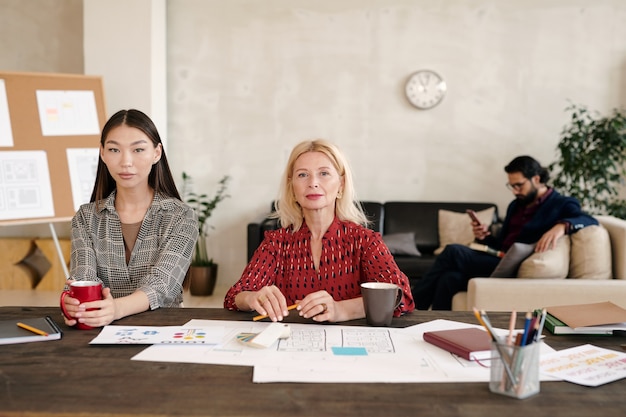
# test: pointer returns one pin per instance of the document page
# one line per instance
(321, 353)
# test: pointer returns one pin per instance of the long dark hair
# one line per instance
(160, 177)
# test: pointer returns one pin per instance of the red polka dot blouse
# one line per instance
(351, 254)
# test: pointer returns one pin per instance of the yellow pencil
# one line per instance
(32, 329)
(264, 316)
(482, 322)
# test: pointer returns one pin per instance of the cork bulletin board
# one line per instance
(48, 121)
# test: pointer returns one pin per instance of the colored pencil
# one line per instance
(264, 316)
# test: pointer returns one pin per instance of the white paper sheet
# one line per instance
(585, 365)
(330, 353)
(83, 164)
(148, 335)
(66, 113)
(25, 190)
(6, 132)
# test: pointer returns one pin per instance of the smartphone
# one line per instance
(472, 214)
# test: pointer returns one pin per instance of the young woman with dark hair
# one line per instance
(135, 236)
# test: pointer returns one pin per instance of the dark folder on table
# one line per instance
(11, 333)
(469, 343)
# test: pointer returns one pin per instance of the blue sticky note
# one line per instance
(346, 351)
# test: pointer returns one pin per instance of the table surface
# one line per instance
(71, 377)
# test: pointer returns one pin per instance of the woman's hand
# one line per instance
(267, 301)
(320, 306)
(94, 313)
(71, 306)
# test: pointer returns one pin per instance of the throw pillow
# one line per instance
(401, 244)
(509, 264)
(455, 227)
(553, 263)
(590, 256)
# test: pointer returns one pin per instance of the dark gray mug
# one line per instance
(380, 299)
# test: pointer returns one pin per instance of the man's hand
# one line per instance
(550, 238)
(480, 230)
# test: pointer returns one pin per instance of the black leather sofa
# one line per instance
(421, 218)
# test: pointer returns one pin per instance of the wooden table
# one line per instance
(69, 377)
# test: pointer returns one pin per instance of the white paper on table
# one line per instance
(148, 335)
(331, 353)
(585, 365)
(415, 361)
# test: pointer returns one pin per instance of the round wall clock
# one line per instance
(425, 89)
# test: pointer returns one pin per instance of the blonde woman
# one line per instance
(322, 252)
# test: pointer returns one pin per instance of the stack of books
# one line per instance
(597, 318)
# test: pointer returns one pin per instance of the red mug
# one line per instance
(83, 291)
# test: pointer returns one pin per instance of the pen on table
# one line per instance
(542, 322)
(32, 329)
(264, 316)
(534, 328)
(509, 339)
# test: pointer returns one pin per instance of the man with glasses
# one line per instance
(538, 214)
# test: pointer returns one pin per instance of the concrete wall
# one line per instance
(41, 36)
(247, 79)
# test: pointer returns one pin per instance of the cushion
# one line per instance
(553, 263)
(509, 264)
(455, 227)
(590, 254)
(401, 244)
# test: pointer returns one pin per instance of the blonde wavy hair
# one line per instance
(347, 208)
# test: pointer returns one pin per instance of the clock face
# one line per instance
(425, 89)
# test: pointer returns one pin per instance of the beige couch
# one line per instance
(524, 294)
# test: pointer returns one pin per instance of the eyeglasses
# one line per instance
(517, 186)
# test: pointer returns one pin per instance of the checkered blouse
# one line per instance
(160, 257)
(351, 254)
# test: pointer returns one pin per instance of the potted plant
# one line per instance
(202, 273)
(591, 157)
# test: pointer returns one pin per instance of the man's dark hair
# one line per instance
(529, 167)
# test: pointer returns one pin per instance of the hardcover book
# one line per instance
(556, 326)
(469, 343)
(594, 314)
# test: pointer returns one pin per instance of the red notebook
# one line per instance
(471, 343)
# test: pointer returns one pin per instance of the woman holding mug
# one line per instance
(136, 236)
(323, 252)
